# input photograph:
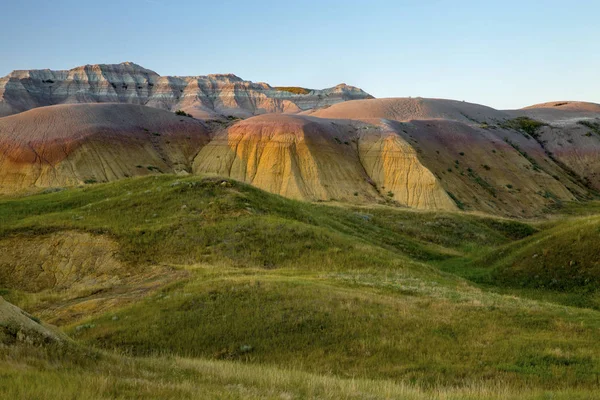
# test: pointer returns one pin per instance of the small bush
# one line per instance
(183, 113)
(524, 124)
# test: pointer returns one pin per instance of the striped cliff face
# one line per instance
(203, 96)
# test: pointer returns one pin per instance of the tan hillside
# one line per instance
(79, 143)
(493, 170)
(315, 159)
(406, 109)
(567, 106)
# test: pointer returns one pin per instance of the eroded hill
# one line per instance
(85, 143)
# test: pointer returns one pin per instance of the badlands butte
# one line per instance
(101, 123)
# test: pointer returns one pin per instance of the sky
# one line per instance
(504, 54)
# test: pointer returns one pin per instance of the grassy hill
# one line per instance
(212, 281)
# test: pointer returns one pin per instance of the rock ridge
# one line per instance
(203, 96)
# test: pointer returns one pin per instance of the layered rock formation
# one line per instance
(315, 159)
(85, 143)
(202, 96)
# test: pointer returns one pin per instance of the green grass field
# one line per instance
(274, 298)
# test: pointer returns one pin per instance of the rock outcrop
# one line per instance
(19, 327)
(202, 96)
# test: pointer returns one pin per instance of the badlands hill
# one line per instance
(413, 152)
(317, 159)
(407, 109)
(490, 160)
(86, 143)
(202, 96)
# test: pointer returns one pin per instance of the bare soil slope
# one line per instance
(79, 143)
(421, 153)
(406, 109)
(477, 158)
(580, 106)
(571, 135)
(317, 159)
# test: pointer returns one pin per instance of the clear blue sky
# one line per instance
(507, 54)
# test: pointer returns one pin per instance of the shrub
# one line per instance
(183, 113)
(594, 126)
(524, 124)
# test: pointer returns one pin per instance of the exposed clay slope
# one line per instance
(18, 327)
(80, 271)
(491, 170)
(315, 159)
(202, 96)
(562, 115)
(575, 142)
(74, 144)
(422, 153)
(406, 109)
(59, 261)
(571, 135)
(483, 165)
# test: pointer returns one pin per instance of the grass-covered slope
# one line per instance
(60, 373)
(219, 271)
